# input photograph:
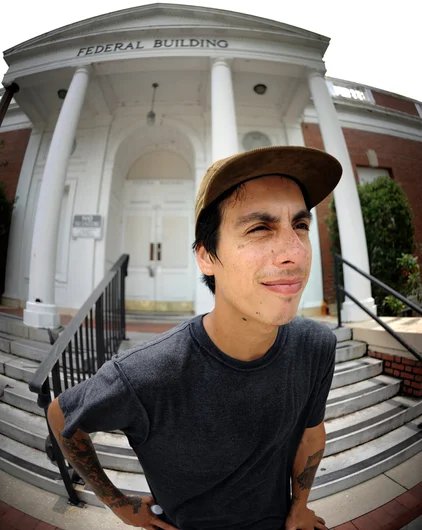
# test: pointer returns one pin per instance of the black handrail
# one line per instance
(340, 288)
(91, 338)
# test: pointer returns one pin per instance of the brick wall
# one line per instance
(401, 156)
(409, 371)
(391, 102)
(12, 151)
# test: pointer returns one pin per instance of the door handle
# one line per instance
(150, 271)
(151, 251)
(158, 251)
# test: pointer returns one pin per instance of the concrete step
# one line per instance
(350, 372)
(336, 473)
(13, 325)
(26, 348)
(357, 396)
(348, 350)
(115, 452)
(367, 424)
(349, 468)
(17, 394)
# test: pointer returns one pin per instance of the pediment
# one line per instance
(170, 17)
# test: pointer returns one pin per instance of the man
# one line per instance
(226, 411)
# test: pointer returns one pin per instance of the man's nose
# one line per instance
(289, 248)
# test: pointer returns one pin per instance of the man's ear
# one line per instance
(205, 261)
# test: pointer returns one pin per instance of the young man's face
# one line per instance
(264, 251)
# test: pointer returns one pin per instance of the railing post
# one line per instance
(337, 282)
(123, 274)
(99, 331)
(44, 401)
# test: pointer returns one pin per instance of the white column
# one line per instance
(349, 214)
(223, 115)
(204, 299)
(313, 295)
(40, 308)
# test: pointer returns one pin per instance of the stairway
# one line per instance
(370, 426)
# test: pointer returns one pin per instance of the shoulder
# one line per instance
(313, 330)
(165, 354)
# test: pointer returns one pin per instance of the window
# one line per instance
(369, 174)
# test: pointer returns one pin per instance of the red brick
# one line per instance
(398, 359)
(5, 526)
(395, 103)
(408, 500)
(395, 509)
(417, 370)
(381, 517)
(406, 375)
(418, 378)
(409, 368)
(366, 523)
(416, 385)
(397, 366)
(3, 507)
(387, 364)
(27, 522)
(12, 517)
(408, 361)
(396, 373)
(416, 491)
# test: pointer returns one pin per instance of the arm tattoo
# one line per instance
(82, 456)
(306, 478)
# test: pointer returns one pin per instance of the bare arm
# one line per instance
(80, 452)
(307, 460)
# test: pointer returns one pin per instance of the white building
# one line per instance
(101, 177)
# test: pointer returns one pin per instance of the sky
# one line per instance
(373, 42)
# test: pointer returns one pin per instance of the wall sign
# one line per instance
(349, 93)
(89, 226)
(101, 49)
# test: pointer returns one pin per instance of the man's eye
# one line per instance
(258, 228)
(302, 226)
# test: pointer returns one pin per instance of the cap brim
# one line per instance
(317, 172)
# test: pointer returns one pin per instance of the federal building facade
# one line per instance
(114, 121)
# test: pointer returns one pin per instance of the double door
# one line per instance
(158, 238)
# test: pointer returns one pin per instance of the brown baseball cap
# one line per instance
(316, 172)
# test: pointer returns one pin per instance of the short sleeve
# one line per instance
(320, 395)
(104, 402)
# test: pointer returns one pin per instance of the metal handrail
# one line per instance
(35, 385)
(75, 355)
(340, 288)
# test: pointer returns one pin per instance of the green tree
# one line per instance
(389, 229)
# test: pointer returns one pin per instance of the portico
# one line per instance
(99, 156)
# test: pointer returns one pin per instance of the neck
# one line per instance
(241, 339)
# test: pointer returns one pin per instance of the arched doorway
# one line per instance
(157, 233)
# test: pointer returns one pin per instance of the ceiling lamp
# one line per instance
(151, 113)
(260, 89)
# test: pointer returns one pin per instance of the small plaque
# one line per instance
(88, 226)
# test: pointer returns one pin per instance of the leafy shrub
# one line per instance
(387, 218)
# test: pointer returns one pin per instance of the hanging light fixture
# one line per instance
(151, 113)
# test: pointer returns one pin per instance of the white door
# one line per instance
(139, 235)
(158, 233)
(174, 270)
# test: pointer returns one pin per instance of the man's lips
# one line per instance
(284, 285)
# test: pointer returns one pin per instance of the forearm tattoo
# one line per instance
(82, 456)
(306, 478)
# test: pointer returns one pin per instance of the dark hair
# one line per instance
(207, 231)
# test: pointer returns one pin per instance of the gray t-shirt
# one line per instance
(216, 436)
